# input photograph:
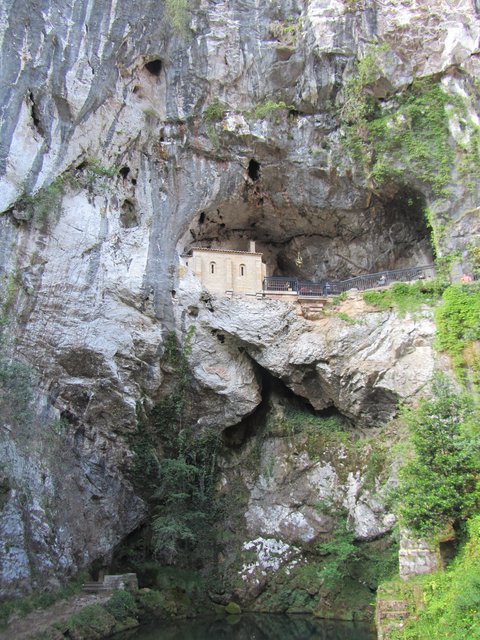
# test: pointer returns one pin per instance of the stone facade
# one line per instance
(223, 271)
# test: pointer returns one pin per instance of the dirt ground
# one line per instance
(26, 627)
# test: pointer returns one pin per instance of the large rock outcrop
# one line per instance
(123, 143)
(362, 365)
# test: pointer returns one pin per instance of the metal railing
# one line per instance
(280, 284)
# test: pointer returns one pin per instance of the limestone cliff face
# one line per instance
(89, 258)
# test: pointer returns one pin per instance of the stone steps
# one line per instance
(96, 587)
(390, 615)
(110, 583)
(394, 614)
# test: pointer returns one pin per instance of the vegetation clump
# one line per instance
(408, 134)
(458, 328)
(122, 605)
(268, 109)
(439, 484)
(449, 600)
(414, 137)
(406, 297)
(44, 204)
(342, 552)
(178, 15)
(215, 112)
(286, 32)
(175, 468)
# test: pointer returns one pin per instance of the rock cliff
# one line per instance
(131, 134)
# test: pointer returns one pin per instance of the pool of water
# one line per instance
(253, 627)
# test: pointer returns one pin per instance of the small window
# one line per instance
(212, 267)
(242, 270)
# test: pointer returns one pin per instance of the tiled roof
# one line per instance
(247, 253)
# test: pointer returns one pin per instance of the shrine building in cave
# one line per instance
(227, 271)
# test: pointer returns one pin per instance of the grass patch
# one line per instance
(346, 318)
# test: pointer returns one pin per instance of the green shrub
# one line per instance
(151, 602)
(458, 325)
(91, 623)
(342, 554)
(42, 205)
(381, 300)
(122, 605)
(176, 468)
(439, 484)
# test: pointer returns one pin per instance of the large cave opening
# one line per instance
(387, 231)
(279, 405)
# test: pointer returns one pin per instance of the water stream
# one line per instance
(253, 627)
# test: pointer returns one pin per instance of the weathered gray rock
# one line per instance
(362, 368)
(286, 500)
(66, 505)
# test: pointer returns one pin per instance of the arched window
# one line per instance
(243, 269)
(212, 267)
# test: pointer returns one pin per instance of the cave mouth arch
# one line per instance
(280, 406)
(388, 230)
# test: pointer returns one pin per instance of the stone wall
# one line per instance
(417, 557)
